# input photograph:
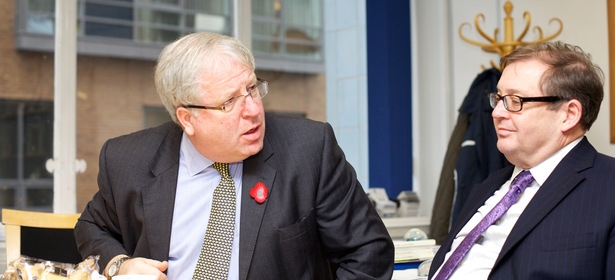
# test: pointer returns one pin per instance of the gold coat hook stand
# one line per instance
(509, 44)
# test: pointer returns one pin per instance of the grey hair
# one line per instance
(180, 64)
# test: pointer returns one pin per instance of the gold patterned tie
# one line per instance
(215, 255)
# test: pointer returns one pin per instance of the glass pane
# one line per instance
(41, 6)
(303, 21)
(295, 43)
(40, 24)
(26, 142)
(158, 17)
(38, 140)
(209, 22)
(108, 21)
(266, 8)
(39, 197)
(266, 28)
(8, 140)
(108, 30)
(108, 11)
(265, 46)
(172, 2)
(211, 16)
(290, 28)
(157, 26)
(152, 35)
(302, 40)
(7, 197)
(40, 18)
(302, 13)
(218, 7)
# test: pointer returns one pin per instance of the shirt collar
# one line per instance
(195, 161)
(543, 170)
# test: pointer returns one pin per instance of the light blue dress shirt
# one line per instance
(195, 186)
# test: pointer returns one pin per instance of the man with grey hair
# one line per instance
(226, 191)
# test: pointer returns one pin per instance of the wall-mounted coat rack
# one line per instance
(509, 43)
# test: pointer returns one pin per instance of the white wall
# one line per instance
(433, 109)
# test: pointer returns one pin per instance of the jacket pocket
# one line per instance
(565, 243)
(300, 250)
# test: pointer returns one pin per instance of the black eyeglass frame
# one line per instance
(494, 98)
(223, 108)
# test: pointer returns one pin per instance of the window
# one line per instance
(288, 31)
(26, 142)
(293, 30)
(287, 35)
(136, 29)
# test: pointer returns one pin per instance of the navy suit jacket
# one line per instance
(568, 229)
(317, 216)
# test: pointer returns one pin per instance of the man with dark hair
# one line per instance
(557, 219)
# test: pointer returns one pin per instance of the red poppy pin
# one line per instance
(259, 192)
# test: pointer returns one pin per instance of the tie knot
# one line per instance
(523, 180)
(222, 168)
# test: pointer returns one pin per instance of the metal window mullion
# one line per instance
(109, 21)
(282, 33)
(23, 8)
(20, 189)
(81, 18)
(110, 3)
(183, 27)
(134, 22)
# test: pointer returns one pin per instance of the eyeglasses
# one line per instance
(257, 92)
(514, 103)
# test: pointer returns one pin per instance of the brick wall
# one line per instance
(111, 94)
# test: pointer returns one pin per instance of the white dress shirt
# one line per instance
(479, 261)
(195, 186)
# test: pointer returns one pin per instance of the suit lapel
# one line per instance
(158, 193)
(254, 170)
(564, 178)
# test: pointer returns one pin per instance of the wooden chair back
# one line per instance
(47, 236)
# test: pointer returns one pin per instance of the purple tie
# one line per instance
(522, 181)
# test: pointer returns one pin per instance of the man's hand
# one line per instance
(144, 266)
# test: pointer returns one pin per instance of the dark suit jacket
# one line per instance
(316, 209)
(568, 229)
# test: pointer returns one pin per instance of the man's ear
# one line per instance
(184, 116)
(573, 111)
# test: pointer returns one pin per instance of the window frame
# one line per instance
(149, 51)
(21, 185)
(104, 46)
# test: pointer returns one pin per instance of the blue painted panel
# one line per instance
(389, 95)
